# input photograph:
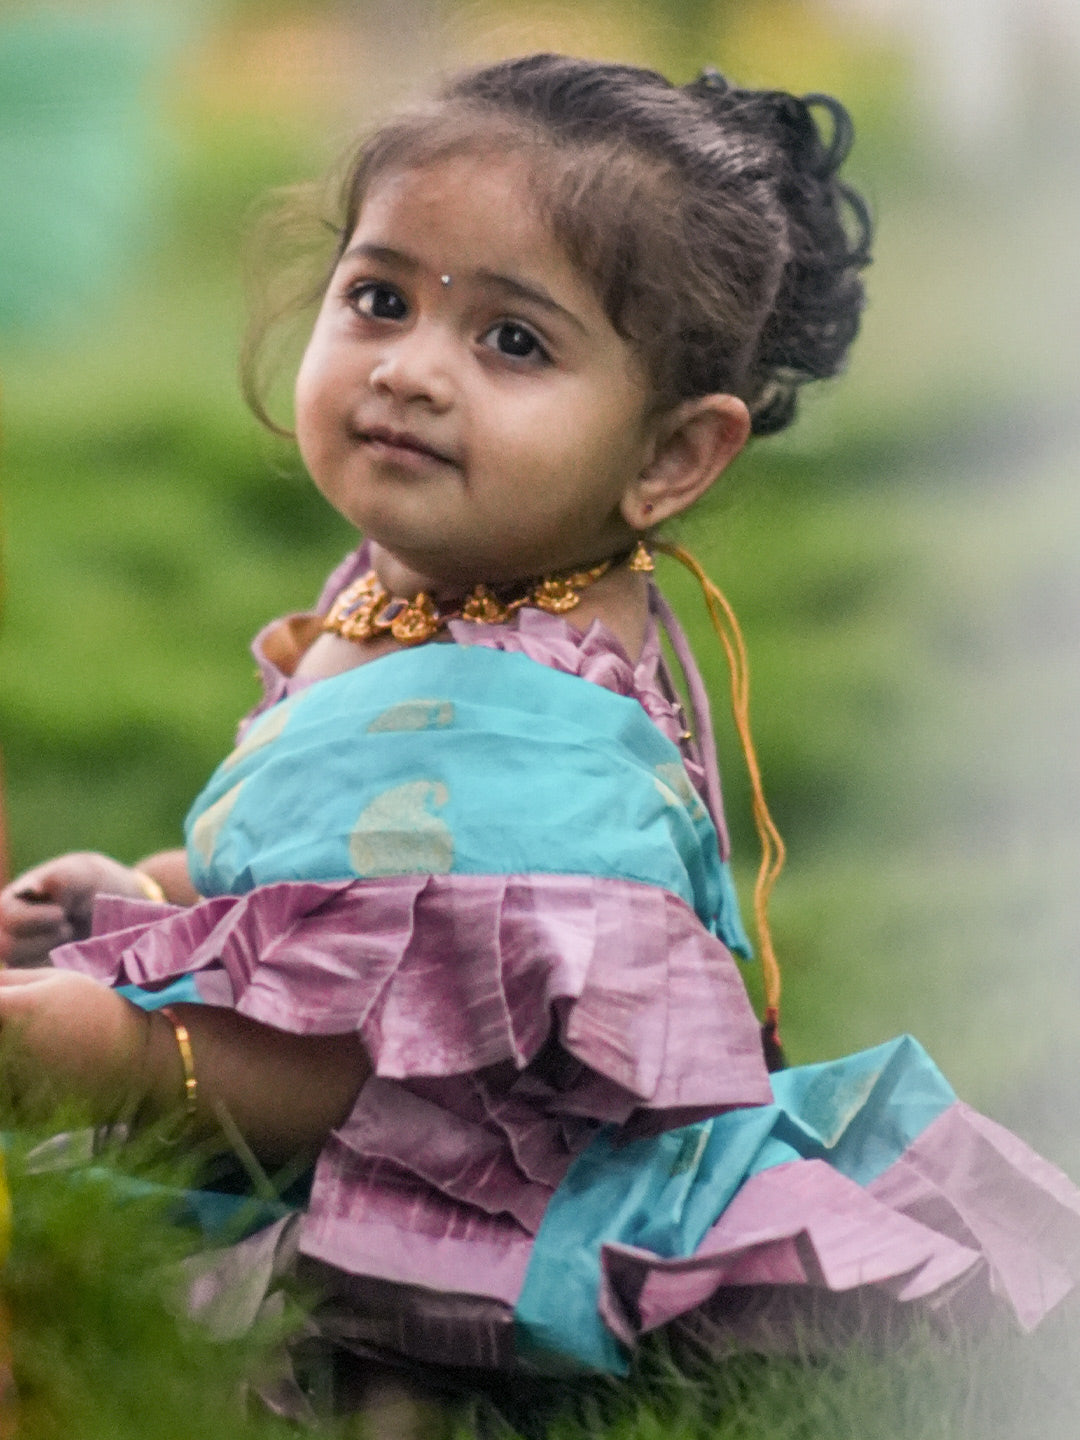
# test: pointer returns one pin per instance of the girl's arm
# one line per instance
(169, 869)
(52, 903)
(74, 1037)
(285, 1093)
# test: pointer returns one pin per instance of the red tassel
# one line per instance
(775, 1059)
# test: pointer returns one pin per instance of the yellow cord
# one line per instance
(772, 846)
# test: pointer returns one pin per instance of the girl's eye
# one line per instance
(380, 302)
(512, 338)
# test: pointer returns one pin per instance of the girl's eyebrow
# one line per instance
(509, 284)
(385, 254)
(524, 291)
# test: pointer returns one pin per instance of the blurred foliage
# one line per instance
(903, 563)
(94, 1286)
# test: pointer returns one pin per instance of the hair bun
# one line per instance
(792, 160)
(710, 79)
(843, 130)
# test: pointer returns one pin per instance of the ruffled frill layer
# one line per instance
(968, 1222)
(505, 1018)
(447, 975)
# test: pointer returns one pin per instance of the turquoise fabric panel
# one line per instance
(664, 1193)
(729, 925)
(462, 760)
(861, 1113)
(183, 991)
(661, 1193)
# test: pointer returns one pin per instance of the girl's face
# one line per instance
(464, 400)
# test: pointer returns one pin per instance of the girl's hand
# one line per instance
(72, 1036)
(52, 903)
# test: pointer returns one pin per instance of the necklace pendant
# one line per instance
(640, 562)
(362, 625)
(355, 613)
(483, 607)
(364, 610)
(555, 596)
(416, 621)
(559, 593)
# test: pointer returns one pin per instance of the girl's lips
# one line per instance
(400, 445)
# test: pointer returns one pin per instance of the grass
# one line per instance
(102, 1349)
(988, 1389)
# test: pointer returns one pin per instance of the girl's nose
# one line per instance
(415, 366)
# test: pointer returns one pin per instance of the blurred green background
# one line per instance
(904, 563)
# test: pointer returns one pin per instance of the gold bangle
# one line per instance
(187, 1058)
(148, 885)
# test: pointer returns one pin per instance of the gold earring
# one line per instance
(640, 562)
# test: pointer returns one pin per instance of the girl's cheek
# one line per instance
(309, 398)
(307, 377)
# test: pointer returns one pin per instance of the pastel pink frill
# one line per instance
(459, 987)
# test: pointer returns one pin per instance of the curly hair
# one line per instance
(710, 219)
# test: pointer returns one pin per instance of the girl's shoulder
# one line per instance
(594, 654)
(279, 646)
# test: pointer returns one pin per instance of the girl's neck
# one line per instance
(406, 582)
(619, 599)
(399, 579)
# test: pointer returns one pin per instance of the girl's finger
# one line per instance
(32, 919)
(29, 951)
(32, 887)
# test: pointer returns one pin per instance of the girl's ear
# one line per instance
(692, 444)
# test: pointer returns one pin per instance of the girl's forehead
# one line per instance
(476, 209)
(453, 188)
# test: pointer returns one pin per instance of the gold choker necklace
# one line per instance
(365, 610)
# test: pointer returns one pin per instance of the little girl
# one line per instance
(454, 923)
